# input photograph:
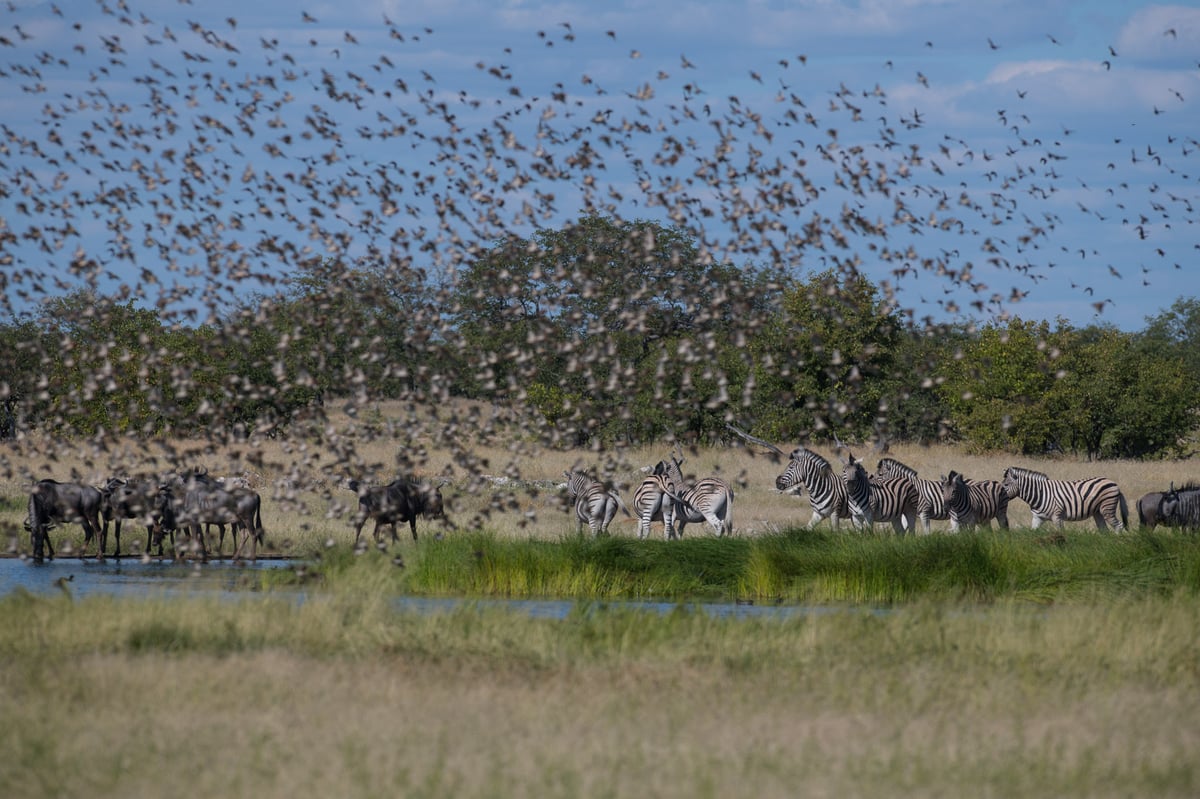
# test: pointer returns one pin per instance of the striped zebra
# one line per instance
(655, 500)
(1180, 507)
(970, 503)
(1067, 500)
(878, 499)
(806, 470)
(595, 505)
(930, 504)
(709, 499)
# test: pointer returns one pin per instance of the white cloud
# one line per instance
(1161, 33)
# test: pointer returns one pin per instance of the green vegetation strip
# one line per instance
(797, 566)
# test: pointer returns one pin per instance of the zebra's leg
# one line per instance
(1098, 517)
(610, 513)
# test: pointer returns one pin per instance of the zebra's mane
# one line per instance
(894, 465)
(807, 454)
(1020, 471)
(1190, 485)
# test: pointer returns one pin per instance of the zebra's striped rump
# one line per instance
(595, 504)
(1067, 500)
(709, 499)
(654, 500)
(930, 502)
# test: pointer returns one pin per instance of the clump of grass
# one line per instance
(794, 566)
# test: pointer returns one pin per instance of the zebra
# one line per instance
(595, 505)
(930, 504)
(973, 502)
(709, 499)
(826, 489)
(655, 500)
(1067, 500)
(806, 470)
(1180, 507)
(878, 499)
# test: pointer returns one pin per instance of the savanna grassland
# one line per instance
(1007, 664)
(502, 482)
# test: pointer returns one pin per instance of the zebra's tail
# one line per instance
(1125, 510)
(621, 505)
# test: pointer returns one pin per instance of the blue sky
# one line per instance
(1033, 158)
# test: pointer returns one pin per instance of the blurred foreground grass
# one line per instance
(343, 695)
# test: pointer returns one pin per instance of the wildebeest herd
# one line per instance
(192, 502)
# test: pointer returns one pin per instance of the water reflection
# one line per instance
(135, 578)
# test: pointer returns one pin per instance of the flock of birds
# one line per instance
(186, 168)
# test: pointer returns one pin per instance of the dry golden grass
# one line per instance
(504, 482)
(343, 698)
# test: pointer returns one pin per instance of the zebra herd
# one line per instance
(664, 495)
(894, 494)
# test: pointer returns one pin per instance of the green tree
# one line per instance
(616, 328)
(997, 387)
(822, 363)
(1121, 396)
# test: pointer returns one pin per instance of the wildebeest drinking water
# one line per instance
(52, 502)
(401, 500)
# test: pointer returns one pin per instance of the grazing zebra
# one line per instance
(875, 499)
(826, 489)
(709, 499)
(595, 505)
(930, 504)
(1180, 507)
(973, 502)
(1067, 500)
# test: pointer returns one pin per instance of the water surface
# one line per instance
(137, 578)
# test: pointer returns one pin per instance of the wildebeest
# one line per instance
(133, 498)
(201, 500)
(52, 502)
(1180, 507)
(401, 500)
(1147, 510)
